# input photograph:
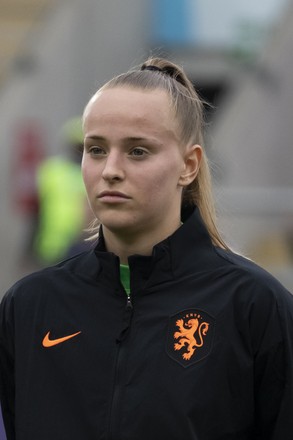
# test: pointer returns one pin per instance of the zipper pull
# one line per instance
(129, 303)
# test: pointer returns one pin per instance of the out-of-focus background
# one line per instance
(55, 54)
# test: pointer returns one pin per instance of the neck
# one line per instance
(124, 245)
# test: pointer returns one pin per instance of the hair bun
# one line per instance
(151, 67)
(166, 67)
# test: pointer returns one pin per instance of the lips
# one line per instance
(112, 196)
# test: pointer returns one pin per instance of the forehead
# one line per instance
(124, 106)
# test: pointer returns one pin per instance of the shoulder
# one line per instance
(261, 287)
(246, 267)
(55, 278)
(262, 306)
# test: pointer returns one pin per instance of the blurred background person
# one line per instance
(63, 208)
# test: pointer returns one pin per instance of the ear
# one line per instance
(192, 159)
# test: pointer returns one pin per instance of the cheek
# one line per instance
(160, 182)
(84, 167)
(89, 174)
(169, 173)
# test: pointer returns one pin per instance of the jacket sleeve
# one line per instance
(7, 385)
(272, 331)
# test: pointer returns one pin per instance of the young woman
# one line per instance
(161, 332)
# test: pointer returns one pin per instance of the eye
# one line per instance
(138, 152)
(96, 151)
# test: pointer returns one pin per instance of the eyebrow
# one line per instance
(124, 140)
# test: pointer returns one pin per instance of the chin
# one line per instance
(117, 223)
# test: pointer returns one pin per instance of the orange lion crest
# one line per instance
(191, 334)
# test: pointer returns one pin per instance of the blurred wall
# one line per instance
(253, 142)
(82, 43)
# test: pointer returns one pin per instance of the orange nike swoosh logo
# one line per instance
(47, 342)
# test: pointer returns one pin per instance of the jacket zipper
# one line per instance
(129, 303)
(114, 420)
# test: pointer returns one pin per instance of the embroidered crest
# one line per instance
(190, 336)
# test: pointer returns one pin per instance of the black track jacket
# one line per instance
(204, 352)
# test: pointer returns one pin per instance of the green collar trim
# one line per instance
(125, 277)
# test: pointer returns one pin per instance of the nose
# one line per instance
(113, 168)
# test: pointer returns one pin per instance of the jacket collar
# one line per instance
(175, 256)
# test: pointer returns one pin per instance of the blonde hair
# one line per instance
(158, 73)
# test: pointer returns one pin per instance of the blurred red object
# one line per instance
(28, 153)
